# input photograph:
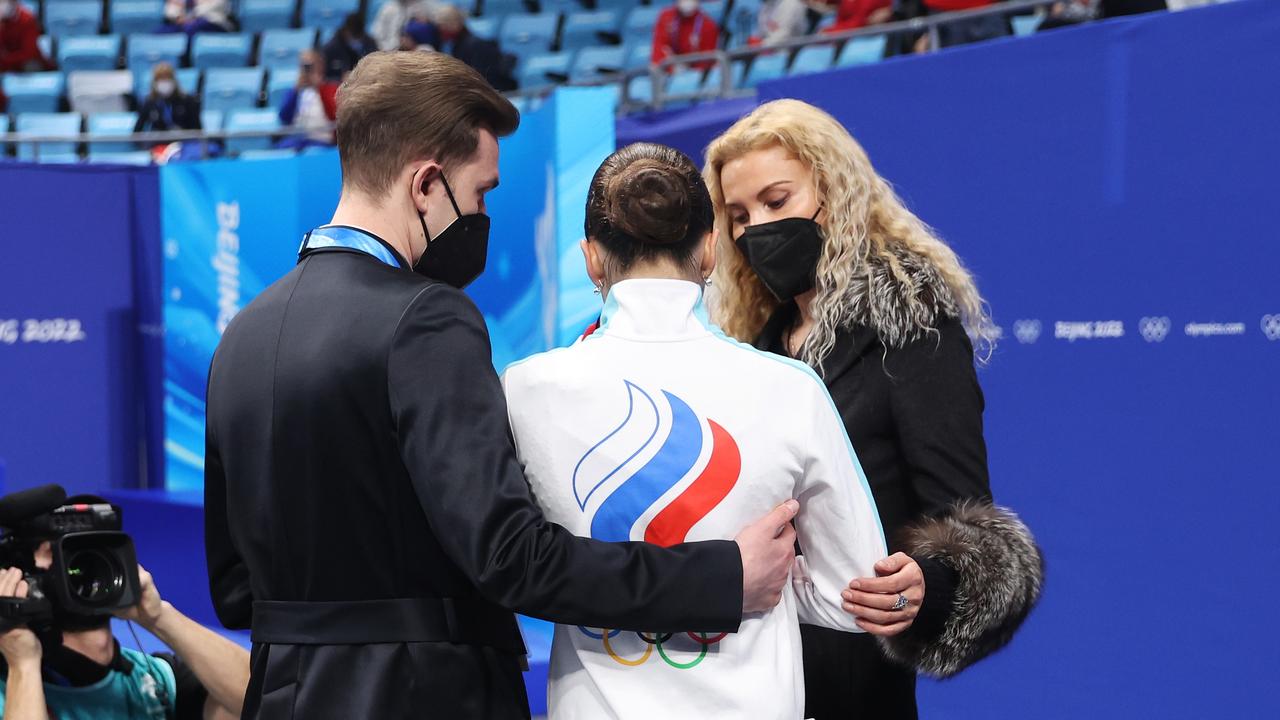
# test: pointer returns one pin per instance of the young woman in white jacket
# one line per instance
(658, 428)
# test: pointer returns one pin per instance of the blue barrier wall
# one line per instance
(75, 334)
(1113, 187)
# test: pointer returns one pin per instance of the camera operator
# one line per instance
(90, 676)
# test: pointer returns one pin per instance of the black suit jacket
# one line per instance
(358, 449)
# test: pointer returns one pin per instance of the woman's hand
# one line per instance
(871, 600)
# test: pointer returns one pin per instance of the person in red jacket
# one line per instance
(853, 14)
(19, 30)
(681, 29)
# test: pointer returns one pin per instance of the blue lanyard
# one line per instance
(345, 237)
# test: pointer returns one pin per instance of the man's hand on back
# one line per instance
(768, 548)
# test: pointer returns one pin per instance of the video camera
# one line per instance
(95, 566)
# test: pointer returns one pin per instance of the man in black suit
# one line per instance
(365, 512)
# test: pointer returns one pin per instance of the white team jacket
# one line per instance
(657, 427)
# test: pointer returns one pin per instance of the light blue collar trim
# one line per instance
(345, 237)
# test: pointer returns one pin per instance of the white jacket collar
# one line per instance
(655, 311)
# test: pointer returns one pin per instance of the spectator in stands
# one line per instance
(854, 14)
(194, 16)
(1069, 12)
(389, 23)
(346, 47)
(167, 107)
(780, 20)
(420, 33)
(682, 29)
(312, 105)
(89, 675)
(19, 32)
(484, 55)
(965, 31)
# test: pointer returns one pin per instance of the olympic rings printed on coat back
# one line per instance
(605, 635)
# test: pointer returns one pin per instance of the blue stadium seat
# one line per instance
(42, 123)
(267, 154)
(210, 50)
(766, 67)
(75, 17)
(593, 62)
(145, 50)
(813, 58)
(259, 15)
(34, 92)
(1026, 24)
(862, 51)
(712, 80)
(232, 88)
(638, 54)
(559, 7)
(279, 81)
(533, 69)
(239, 120)
(683, 82)
(92, 52)
(45, 43)
(484, 27)
(498, 8)
(114, 124)
(131, 157)
(327, 14)
(742, 19)
(211, 120)
(639, 23)
(280, 48)
(90, 91)
(714, 9)
(623, 6)
(582, 29)
(640, 88)
(524, 34)
(188, 81)
(135, 16)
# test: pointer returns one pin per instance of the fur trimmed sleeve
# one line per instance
(999, 573)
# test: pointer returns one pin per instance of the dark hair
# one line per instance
(398, 107)
(646, 202)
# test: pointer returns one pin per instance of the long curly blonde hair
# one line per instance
(880, 264)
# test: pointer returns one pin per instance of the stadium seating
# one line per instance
(115, 124)
(33, 92)
(766, 67)
(73, 17)
(638, 54)
(1026, 24)
(132, 157)
(279, 81)
(90, 91)
(188, 81)
(327, 14)
(45, 43)
(535, 68)
(624, 6)
(813, 58)
(232, 88)
(42, 123)
(242, 120)
(640, 89)
(259, 15)
(91, 52)
(267, 154)
(211, 120)
(498, 8)
(861, 51)
(280, 48)
(583, 29)
(147, 50)
(524, 34)
(484, 27)
(638, 27)
(135, 16)
(220, 50)
(593, 62)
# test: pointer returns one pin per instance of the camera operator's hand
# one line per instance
(150, 607)
(19, 645)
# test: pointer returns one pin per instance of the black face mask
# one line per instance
(784, 254)
(457, 255)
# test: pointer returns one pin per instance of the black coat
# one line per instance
(487, 58)
(178, 112)
(358, 450)
(914, 416)
(340, 57)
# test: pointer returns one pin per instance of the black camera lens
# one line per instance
(94, 577)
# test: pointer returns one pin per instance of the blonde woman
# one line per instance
(821, 262)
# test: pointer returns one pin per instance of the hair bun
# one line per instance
(650, 202)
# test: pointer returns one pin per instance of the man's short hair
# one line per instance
(400, 106)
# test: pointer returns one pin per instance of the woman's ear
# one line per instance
(709, 253)
(595, 264)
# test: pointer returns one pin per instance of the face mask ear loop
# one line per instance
(422, 220)
(450, 194)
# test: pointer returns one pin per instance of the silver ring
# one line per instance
(901, 603)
